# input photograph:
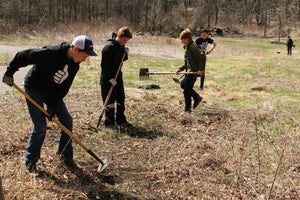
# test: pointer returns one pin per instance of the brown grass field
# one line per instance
(242, 142)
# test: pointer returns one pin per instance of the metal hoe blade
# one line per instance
(176, 80)
(107, 160)
(144, 73)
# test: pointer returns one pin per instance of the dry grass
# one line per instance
(239, 144)
(213, 154)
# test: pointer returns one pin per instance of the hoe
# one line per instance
(144, 73)
(103, 163)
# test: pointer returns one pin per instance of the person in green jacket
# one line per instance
(194, 62)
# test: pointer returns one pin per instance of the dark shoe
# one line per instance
(197, 102)
(70, 163)
(31, 169)
(125, 124)
(188, 111)
(108, 124)
(112, 126)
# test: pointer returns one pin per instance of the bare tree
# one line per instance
(216, 11)
(155, 15)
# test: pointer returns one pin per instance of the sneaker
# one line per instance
(70, 163)
(197, 102)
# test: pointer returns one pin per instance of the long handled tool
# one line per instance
(144, 73)
(103, 163)
(110, 92)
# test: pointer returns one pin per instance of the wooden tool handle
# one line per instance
(53, 119)
(168, 73)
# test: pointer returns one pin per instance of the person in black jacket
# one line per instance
(112, 54)
(194, 62)
(48, 81)
(289, 45)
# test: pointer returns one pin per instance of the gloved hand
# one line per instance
(200, 73)
(126, 50)
(113, 82)
(177, 72)
(51, 112)
(8, 80)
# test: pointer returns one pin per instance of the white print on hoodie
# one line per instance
(61, 76)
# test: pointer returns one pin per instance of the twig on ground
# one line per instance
(241, 159)
(275, 175)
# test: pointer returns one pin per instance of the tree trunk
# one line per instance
(107, 10)
(1, 190)
(279, 27)
(49, 11)
(63, 10)
(185, 12)
(146, 15)
(287, 2)
(208, 13)
(90, 10)
(216, 11)
(28, 12)
(265, 19)
(298, 10)
(75, 10)
(70, 11)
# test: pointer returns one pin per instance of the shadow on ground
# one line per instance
(94, 185)
(141, 132)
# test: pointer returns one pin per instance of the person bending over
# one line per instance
(48, 82)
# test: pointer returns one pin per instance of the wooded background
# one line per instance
(164, 16)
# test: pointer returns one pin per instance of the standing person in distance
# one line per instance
(48, 82)
(202, 43)
(194, 62)
(289, 45)
(112, 54)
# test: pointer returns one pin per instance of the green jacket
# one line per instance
(195, 58)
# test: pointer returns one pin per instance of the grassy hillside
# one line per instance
(242, 142)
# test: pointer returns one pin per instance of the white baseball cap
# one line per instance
(84, 43)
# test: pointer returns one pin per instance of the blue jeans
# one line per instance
(187, 85)
(38, 133)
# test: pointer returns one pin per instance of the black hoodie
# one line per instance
(112, 54)
(46, 61)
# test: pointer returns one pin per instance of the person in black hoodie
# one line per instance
(289, 45)
(112, 54)
(48, 81)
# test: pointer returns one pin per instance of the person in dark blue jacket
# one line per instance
(112, 54)
(48, 81)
